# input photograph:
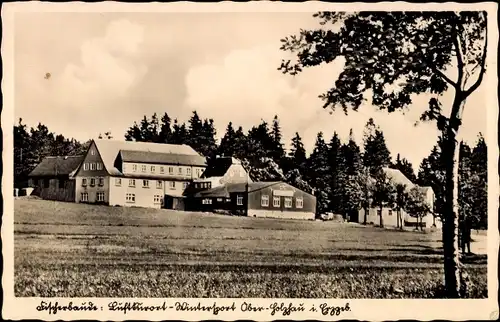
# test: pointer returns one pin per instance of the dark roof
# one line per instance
(225, 190)
(219, 166)
(109, 150)
(162, 158)
(57, 166)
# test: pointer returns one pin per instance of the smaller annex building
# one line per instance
(226, 186)
(256, 199)
(54, 178)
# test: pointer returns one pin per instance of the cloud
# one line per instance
(108, 67)
(245, 87)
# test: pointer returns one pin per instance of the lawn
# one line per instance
(75, 250)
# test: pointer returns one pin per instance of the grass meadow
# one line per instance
(75, 250)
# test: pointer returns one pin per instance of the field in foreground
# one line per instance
(74, 250)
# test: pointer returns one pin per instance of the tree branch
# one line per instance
(483, 67)
(446, 78)
(460, 58)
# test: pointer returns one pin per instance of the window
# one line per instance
(61, 184)
(40, 183)
(92, 182)
(188, 171)
(185, 185)
(207, 201)
(118, 182)
(162, 170)
(92, 152)
(172, 184)
(180, 170)
(264, 201)
(130, 197)
(288, 202)
(198, 173)
(299, 202)
(143, 168)
(99, 166)
(390, 212)
(159, 184)
(276, 201)
(101, 182)
(157, 199)
(84, 182)
(239, 200)
(100, 196)
(84, 197)
(219, 199)
(170, 170)
(153, 169)
(134, 167)
(92, 166)
(131, 182)
(145, 183)
(85, 166)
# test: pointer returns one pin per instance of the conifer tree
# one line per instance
(240, 144)
(278, 152)
(180, 134)
(376, 154)
(336, 175)
(227, 145)
(165, 135)
(297, 154)
(319, 172)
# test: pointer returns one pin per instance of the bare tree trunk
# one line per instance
(450, 216)
(365, 215)
(397, 218)
(381, 216)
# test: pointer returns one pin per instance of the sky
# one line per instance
(110, 69)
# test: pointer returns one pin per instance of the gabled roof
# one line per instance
(219, 166)
(57, 166)
(162, 158)
(426, 189)
(398, 177)
(109, 150)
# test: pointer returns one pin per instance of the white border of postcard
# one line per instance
(372, 310)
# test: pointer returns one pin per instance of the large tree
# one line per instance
(383, 193)
(417, 205)
(412, 52)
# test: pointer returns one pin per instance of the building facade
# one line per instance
(119, 173)
(389, 215)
